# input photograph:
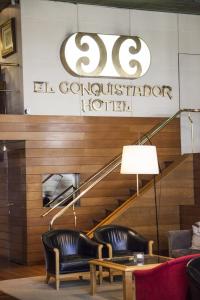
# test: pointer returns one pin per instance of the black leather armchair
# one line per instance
(121, 241)
(68, 251)
(193, 272)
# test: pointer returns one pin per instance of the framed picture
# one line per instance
(8, 38)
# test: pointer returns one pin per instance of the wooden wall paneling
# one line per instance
(189, 214)
(197, 178)
(17, 201)
(4, 228)
(171, 193)
(90, 160)
(67, 144)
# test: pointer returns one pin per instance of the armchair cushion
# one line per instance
(87, 247)
(136, 242)
(123, 240)
(74, 264)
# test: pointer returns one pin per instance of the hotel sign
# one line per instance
(95, 55)
(93, 94)
(102, 55)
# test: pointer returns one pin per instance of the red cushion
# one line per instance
(167, 281)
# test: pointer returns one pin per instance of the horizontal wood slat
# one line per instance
(72, 144)
(4, 209)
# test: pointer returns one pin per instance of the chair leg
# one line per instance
(48, 276)
(111, 275)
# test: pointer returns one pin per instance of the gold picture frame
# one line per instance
(8, 38)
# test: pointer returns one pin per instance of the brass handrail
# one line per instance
(111, 166)
(83, 184)
(8, 64)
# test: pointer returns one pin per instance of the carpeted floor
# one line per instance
(4, 296)
(34, 288)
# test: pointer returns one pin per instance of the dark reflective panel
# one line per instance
(57, 187)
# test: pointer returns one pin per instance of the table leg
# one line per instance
(93, 279)
(100, 275)
(111, 275)
(128, 286)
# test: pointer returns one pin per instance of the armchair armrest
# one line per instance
(150, 247)
(179, 239)
(57, 261)
(48, 249)
(149, 273)
(107, 250)
(110, 251)
(50, 258)
(89, 247)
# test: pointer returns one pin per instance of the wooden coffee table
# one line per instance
(126, 266)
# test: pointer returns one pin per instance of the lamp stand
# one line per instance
(137, 180)
(156, 212)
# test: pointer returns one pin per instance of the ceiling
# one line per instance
(176, 6)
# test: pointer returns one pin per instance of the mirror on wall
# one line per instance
(56, 187)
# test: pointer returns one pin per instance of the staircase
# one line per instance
(112, 215)
(126, 197)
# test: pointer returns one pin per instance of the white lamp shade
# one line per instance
(139, 159)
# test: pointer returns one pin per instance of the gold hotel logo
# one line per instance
(102, 55)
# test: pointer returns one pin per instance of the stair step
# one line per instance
(120, 201)
(144, 182)
(95, 221)
(132, 192)
(108, 211)
(168, 163)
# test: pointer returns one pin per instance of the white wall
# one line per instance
(45, 24)
(173, 40)
(189, 66)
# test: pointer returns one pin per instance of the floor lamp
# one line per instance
(141, 159)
